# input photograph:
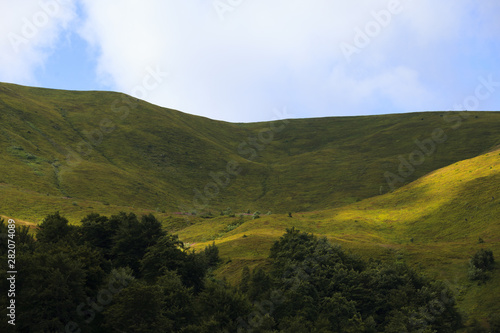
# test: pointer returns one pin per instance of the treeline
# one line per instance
(126, 274)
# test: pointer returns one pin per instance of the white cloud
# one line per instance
(272, 54)
(28, 32)
(266, 54)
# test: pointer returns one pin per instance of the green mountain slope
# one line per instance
(434, 223)
(102, 151)
(420, 186)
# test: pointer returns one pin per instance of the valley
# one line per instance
(418, 187)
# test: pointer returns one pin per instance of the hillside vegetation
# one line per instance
(80, 152)
(435, 223)
(419, 187)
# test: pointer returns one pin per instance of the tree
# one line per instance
(24, 239)
(177, 300)
(219, 306)
(245, 280)
(260, 285)
(99, 231)
(50, 285)
(211, 253)
(320, 282)
(53, 229)
(133, 238)
(138, 308)
(166, 255)
(152, 229)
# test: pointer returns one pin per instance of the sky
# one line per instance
(259, 60)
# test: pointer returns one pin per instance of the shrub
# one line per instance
(483, 259)
(480, 264)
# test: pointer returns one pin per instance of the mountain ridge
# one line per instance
(96, 146)
(333, 175)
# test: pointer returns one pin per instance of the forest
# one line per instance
(125, 273)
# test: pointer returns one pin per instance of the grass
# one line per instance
(136, 154)
(329, 172)
(433, 223)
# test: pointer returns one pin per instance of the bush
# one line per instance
(476, 274)
(483, 259)
(480, 264)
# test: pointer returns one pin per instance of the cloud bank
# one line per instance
(237, 60)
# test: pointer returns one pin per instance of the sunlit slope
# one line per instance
(434, 223)
(114, 149)
(458, 203)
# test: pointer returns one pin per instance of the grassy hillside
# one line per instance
(420, 186)
(434, 223)
(85, 151)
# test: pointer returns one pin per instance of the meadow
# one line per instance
(420, 187)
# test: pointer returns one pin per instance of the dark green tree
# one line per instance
(99, 231)
(166, 255)
(51, 283)
(178, 300)
(219, 306)
(138, 308)
(211, 253)
(260, 285)
(320, 282)
(133, 238)
(54, 228)
(24, 240)
(245, 280)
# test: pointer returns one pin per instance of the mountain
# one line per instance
(436, 223)
(422, 187)
(79, 152)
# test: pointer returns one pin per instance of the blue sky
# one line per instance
(241, 60)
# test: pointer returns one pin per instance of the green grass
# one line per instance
(137, 154)
(434, 223)
(329, 172)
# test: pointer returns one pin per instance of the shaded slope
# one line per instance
(117, 150)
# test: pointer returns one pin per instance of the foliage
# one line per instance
(100, 164)
(133, 237)
(50, 285)
(320, 284)
(479, 265)
(138, 308)
(25, 241)
(312, 286)
(437, 211)
(53, 229)
(483, 259)
(211, 253)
